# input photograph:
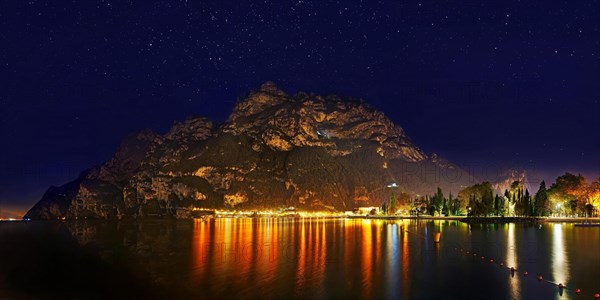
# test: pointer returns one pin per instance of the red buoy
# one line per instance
(597, 296)
(501, 265)
(491, 261)
(578, 291)
(540, 278)
(483, 257)
(526, 273)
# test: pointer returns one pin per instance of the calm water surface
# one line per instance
(302, 258)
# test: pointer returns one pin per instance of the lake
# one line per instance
(266, 258)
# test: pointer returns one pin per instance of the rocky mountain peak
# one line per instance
(504, 178)
(342, 126)
(440, 161)
(195, 128)
(271, 88)
(257, 101)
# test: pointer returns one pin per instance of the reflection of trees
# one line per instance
(93, 260)
(151, 248)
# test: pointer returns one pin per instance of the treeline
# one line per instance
(569, 195)
(515, 201)
(436, 204)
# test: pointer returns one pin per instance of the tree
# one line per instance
(445, 208)
(573, 206)
(507, 203)
(454, 205)
(403, 202)
(497, 205)
(384, 208)
(472, 204)
(420, 205)
(515, 203)
(488, 202)
(392, 208)
(569, 191)
(438, 200)
(527, 203)
(480, 198)
(593, 198)
(541, 205)
(515, 196)
(432, 210)
(413, 207)
(589, 210)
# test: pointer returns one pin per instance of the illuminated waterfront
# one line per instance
(306, 258)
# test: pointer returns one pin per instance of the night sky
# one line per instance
(502, 83)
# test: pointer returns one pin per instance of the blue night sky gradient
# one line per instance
(507, 83)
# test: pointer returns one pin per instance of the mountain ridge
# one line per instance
(304, 150)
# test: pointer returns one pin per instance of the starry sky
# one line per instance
(482, 83)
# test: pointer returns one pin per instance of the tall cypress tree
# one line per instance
(516, 204)
(392, 208)
(541, 201)
(497, 205)
(490, 202)
(520, 198)
(452, 205)
(527, 200)
(438, 201)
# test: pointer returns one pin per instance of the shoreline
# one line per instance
(492, 219)
(464, 219)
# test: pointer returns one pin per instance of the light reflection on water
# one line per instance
(560, 262)
(511, 261)
(392, 259)
(298, 258)
(322, 258)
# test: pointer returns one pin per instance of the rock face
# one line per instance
(281, 123)
(275, 150)
(503, 179)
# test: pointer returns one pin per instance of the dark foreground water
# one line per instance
(286, 258)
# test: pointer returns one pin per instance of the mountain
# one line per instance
(274, 150)
(503, 179)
